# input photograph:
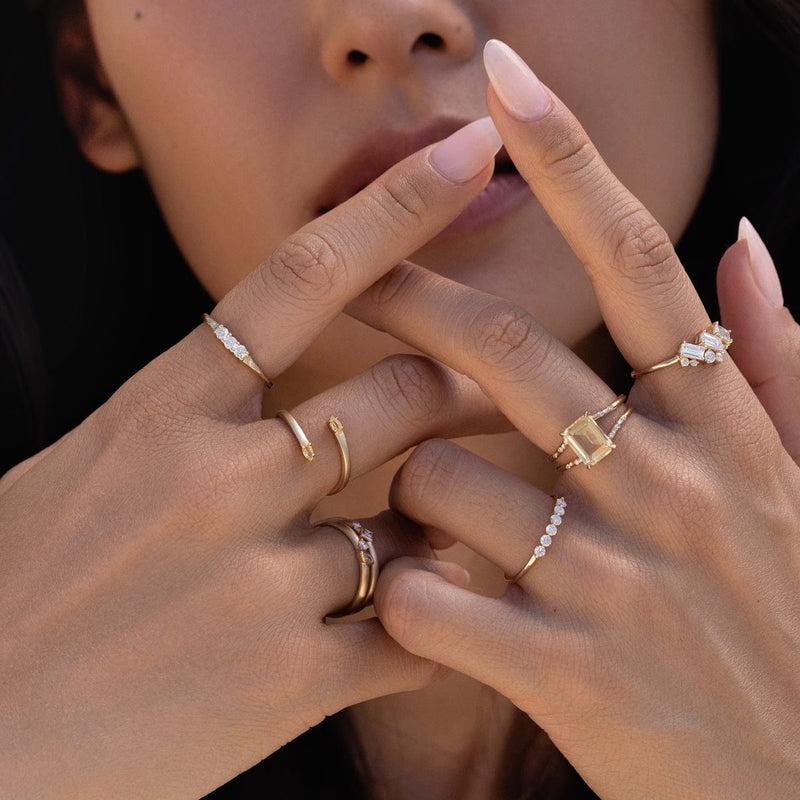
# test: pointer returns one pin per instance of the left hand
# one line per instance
(658, 644)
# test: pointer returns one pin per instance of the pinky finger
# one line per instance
(767, 342)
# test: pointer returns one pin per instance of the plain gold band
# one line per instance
(299, 434)
(661, 364)
(337, 429)
(367, 562)
(235, 347)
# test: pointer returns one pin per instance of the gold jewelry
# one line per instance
(299, 434)
(709, 348)
(232, 344)
(540, 551)
(361, 539)
(588, 440)
(337, 429)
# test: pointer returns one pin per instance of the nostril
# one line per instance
(430, 40)
(356, 57)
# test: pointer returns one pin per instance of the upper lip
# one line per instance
(380, 150)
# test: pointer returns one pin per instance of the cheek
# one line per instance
(212, 112)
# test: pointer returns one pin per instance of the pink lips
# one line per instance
(384, 148)
(504, 193)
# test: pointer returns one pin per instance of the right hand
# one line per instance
(162, 591)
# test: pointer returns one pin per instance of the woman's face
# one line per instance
(252, 117)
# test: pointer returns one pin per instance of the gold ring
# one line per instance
(361, 539)
(708, 348)
(545, 540)
(588, 440)
(233, 345)
(299, 434)
(337, 429)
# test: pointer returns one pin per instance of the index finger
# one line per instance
(285, 303)
(647, 300)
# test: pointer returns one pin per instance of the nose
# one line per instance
(391, 35)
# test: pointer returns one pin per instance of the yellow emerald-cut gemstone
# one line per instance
(588, 440)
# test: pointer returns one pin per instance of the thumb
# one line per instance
(766, 337)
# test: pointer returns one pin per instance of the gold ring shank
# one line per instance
(361, 539)
(337, 429)
(235, 347)
(299, 434)
(668, 363)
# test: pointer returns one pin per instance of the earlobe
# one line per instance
(87, 101)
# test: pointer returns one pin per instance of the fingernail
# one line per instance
(520, 91)
(761, 263)
(463, 154)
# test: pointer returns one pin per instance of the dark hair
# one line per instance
(92, 288)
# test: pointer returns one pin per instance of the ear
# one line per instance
(87, 100)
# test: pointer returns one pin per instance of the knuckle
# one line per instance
(399, 200)
(641, 249)
(507, 338)
(429, 475)
(411, 388)
(394, 285)
(571, 155)
(306, 267)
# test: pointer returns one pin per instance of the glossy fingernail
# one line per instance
(761, 263)
(463, 154)
(520, 91)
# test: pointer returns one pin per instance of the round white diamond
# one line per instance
(693, 363)
(546, 540)
(539, 551)
(363, 545)
(239, 350)
(555, 519)
(551, 530)
(719, 356)
(561, 502)
(365, 534)
(221, 332)
(356, 525)
(684, 362)
(711, 356)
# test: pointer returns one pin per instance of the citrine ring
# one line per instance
(588, 440)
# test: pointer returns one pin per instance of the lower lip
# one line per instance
(505, 192)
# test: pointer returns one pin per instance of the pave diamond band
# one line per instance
(545, 540)
(233, 345)
(708, 347)
(361, 539)
(588, 440)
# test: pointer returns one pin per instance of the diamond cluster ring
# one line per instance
(708, 348)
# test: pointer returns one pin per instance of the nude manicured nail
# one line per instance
(463, 154)
(761, 263)
(520, 91)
